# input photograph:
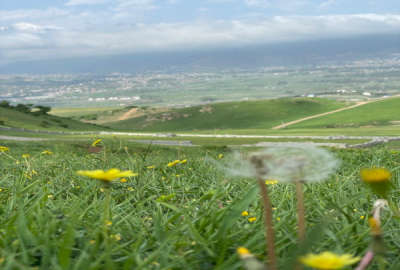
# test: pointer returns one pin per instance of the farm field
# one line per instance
(384, 112)
(262, 114)
(185, 216)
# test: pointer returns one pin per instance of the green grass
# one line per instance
(184, 217)
(262, 114)
(379, 113)
(13, 118)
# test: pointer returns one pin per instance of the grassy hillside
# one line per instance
(13, 118)
(380, 113)
(231, 115)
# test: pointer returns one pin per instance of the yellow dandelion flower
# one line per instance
(243, 252)
(375, 175)
(108, 223)
(116, 237)
(252, 219)
(245, 214)
(375, 226)
(123, 180)
(26, 156)
(4, 148)
(173, 163)
(328, 260)
(96, 142)
(271, 182)
(47, 152)
(107, 176)
(362, 217)
(183, 161)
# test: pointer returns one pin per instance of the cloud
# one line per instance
(257, 3)
(85, 36)
(85, 2)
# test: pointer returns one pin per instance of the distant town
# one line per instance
(354, 81)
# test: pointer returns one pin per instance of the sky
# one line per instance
(51, 29)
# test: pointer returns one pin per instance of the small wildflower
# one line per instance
(26, 156)
(378, 180)
(4, 149)
(108, 223)
(375, 175)
(183, 161)
(243, 252)
(107, 176)
(47, 152)
(252, 219)
(96, 142)
(375, 226)
(278, 219)
(173, 163)
(271, 182)
(328, 260)
(116, 237)
(245, 214)
(123, 180)
(362, 217)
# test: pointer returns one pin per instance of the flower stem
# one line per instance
(300, 211)
(269, 229)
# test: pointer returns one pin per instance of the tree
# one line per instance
(5, 104)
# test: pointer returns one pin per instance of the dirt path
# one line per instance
(128, 114)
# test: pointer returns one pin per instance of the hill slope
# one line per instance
(230, 115)
(13, 118)
(380, 113)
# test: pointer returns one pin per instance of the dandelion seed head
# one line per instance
(286, 162)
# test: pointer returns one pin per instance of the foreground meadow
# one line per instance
(186, 215)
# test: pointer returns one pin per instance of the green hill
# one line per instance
(379, 113)
(261, 114)
(13, 118)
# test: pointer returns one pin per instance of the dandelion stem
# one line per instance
(300, 211)
(269, 229)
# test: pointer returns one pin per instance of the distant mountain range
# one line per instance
(315, 52)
